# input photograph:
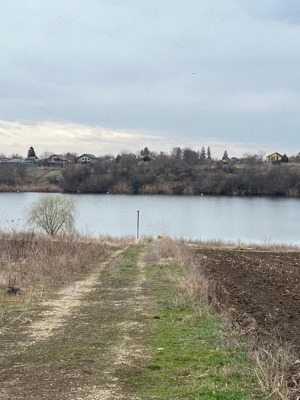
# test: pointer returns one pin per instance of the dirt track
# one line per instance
(79, 344)
(264, 285)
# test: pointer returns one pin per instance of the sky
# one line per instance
(113, 76)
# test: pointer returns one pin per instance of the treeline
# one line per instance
(12, 174)
(159, 174)
(166, 175)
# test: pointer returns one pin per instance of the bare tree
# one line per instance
(53, 214)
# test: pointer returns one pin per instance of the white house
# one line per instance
(86, 159)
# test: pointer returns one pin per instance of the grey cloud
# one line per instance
(111, 54)
(48, 31)
(287, 10)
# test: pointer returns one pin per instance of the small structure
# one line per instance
(225, 161)
(274, 158)
(145, 159)
(109, 160)
(86, 159)
(32, 160)
(56, 160)
(17, 160)
(234, 160)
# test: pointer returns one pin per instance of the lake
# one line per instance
(250, 219)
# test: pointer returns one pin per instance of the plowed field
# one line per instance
(262, 285)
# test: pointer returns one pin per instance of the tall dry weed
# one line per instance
(278, 372)
(165, 249)
(28, 259)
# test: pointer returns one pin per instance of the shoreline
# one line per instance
(55, 189)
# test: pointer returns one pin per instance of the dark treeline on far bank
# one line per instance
(169, 176)
(182, 173)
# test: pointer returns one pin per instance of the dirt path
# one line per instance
(89, 340)
(69, 299)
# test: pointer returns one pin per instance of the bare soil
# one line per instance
(258, 287)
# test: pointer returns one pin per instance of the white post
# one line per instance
(138, 224)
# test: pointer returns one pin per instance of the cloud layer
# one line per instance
(101, 77)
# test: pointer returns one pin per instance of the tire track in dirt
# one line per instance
(126, 352)
(69, 298)
(110, 306)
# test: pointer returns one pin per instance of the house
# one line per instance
(86, 159)
(56, 160)
(274, 158)
(17, 160)
(146, 159)
(71, 158)
(108, 160)
(225, 161)
(32, 160)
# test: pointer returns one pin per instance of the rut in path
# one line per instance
(88, 338)
(69, 299)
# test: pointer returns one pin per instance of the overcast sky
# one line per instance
(106, 76)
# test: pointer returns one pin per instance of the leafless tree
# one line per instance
(53, 214)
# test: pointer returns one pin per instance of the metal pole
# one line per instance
(138, 224)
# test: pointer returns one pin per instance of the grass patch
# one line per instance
(189, 358)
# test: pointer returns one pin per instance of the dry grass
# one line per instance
(195, 284)
(277, 370)
(113, 240)
(27, 259)
(166, 249)
(37, 264)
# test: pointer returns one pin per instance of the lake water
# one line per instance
(255, 219)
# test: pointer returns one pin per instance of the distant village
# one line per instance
(144, 157)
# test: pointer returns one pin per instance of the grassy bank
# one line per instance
(194, 355)
(275, 361)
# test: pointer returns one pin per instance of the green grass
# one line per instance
(189, 357)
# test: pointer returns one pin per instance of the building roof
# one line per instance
(59, 157)
(272, 154)
(87, 155)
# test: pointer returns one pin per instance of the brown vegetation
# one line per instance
(184, 175)
(28, 260)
